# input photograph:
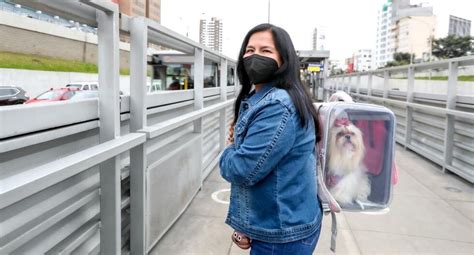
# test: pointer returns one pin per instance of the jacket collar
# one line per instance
(254, 97)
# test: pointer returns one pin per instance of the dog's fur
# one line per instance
(346, 155)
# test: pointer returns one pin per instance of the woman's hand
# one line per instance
(230, 139)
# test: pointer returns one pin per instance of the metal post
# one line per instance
(316, 85)
(198, 86)
(386, 75)
(358, 86)
(108, 51)
(409, 110)
(237, 86)
(222, 113)
(343, 85)
(369, 87)
(349, 87)
(450, 104)
(199, 100)
(325, 76)
(138, 71)
(268, 11)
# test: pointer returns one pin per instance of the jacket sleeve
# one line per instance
(269, 137)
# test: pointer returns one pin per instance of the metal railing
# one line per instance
(438, 125)
(113, 174)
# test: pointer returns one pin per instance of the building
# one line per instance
(336, 66)
(363, 60)
(210, 33)
(383, 48)
(315, 39)
(132, 7)
(388, 29)
(153, 10)
(415, 35)
(459, 26)
(146, 8)
(349, 65)
(321, 39)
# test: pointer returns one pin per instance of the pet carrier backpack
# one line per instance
(355, 158)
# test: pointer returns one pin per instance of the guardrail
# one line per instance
(438, 126)
(110, 175)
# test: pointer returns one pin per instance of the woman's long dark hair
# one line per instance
(287, 77)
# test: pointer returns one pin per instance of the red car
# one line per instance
(54, 95)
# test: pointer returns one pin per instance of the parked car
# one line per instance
(54, 95)
(10, 95)
(87, 85)
(84, 94)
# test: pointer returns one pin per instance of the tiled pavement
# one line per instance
(431, 213)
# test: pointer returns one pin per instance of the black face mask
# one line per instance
(260, 69)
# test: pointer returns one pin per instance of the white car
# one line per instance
(79, 95)
(91, 85)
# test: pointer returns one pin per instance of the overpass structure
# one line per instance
(113, 175)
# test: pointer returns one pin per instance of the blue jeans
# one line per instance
(304, 246)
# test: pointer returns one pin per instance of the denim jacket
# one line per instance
(272, 170)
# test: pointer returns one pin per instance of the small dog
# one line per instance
(347, 178)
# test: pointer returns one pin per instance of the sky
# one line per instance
(349, 25)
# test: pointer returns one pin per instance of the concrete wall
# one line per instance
(36, 82)
(425, 86)
(30, 36)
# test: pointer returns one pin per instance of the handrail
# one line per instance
(463, 61)
(159, 129)
(433, 109)
(70, 140)
(442, 143)
(38, 178)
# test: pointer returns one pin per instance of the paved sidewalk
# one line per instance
(431, 213)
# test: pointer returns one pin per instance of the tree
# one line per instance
(452, 46)
(400, 59)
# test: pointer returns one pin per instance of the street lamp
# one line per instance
(268, 11)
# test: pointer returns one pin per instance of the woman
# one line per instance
(270, 162)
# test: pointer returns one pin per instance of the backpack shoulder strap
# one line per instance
(328, 203)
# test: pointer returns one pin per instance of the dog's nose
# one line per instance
(348, 137)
